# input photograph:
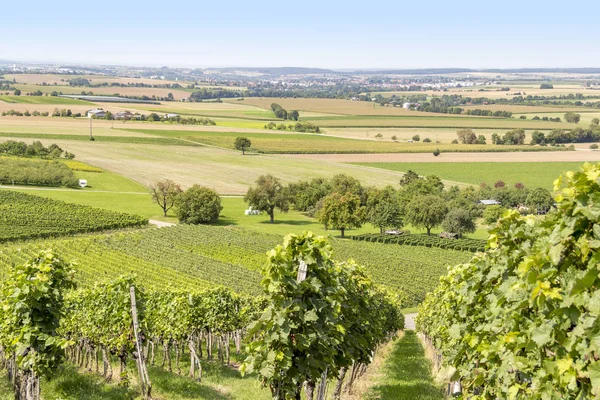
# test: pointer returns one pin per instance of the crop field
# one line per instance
(24, 216)
(531, 174)
(225, 171)
(205, 256)
(43, 100)
(307, 143)
(100, 138)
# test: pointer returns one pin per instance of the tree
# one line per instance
(546, 86)
(499, 184)
(242, 143)
(594, 146)
(164, 194)
(437, 152)
(539, 199)
(342, 212)
(17, 92)
(342, 183)
(595, 121)
(493, 213)
(267, 195)
(459, 221)
(383, 209)
(514, 137)
(481, 139)
(416, 138)
(409, 177)
(572, 117)
(496, 139)
(198, 205)
(293, 115)
(426, 212)
(466, 136)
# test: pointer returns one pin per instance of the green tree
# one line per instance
(426, 212)
(164, 193)
(572, 117)
(31, 308)
(17, 92)
(492, 213)
(466, 136)
(198, 205)
(342, 212)
(409, 177)
(595, 121)
(242, 143)
(416, 138)
(267, 195)
(342, 183)
(293, 115)
(459, 221)
(539, 199)
(383, 209)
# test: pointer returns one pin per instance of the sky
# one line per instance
(324, 34)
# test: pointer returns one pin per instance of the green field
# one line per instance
(308, 143)
(44, 100)
(531, 174)
(111, 139)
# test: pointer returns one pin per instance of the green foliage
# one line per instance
(315, 325)
(342, 212)
(198, 205)
(242, 143)
(520, 321)
(24, 216)
(493, 213)
(466, 136)
(546, 86)
(572, 117)
(36, 149)
(383, 208)
(459, 221)
(267, 195)
(31, 306)
(15, 171)
(472, 245)
(426, 211)
(539, 199)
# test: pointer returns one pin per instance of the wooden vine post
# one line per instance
(145, 384)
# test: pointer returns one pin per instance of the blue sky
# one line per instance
(365, 34)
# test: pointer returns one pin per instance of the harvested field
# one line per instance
(227, 172)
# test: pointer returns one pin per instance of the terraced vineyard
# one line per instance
(24, 216)
(198, 257)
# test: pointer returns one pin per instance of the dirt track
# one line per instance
(556, 156)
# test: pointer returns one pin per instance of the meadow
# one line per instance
(531, 174)
(43, 100)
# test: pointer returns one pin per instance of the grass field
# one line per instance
(532, 174)
(307, 143)
(43, 100)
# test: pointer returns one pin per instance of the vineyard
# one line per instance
(322, 314)
(198, 257)
(472, 245)
(521, 320)
(24, 216)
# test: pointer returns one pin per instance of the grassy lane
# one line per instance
(531, 174)
(406, 374)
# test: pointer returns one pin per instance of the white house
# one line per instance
(96, 113)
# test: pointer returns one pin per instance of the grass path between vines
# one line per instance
(404, 375)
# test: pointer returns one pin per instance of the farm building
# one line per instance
(490, 202)
(123, 115)
(96, 113)
(169, 116)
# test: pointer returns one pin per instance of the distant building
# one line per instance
(123, 115)
(406, 105)
(490, 202)
(169, 116)
(96, 113)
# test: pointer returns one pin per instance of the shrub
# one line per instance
(198, 205)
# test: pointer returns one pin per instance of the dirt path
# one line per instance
(409, 321)
(549, 156)
(160, 224)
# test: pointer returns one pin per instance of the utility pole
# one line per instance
(91, 135)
